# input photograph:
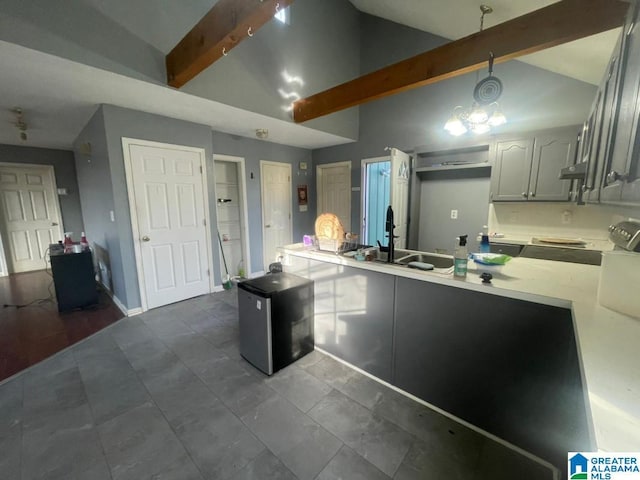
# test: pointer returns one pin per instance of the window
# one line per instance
(283, 15)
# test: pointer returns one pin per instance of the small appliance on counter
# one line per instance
(620, 271)
(276, 320)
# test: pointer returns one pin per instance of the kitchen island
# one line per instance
(531, 358)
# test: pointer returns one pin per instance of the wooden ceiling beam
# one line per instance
(221, 29)
(547, 27)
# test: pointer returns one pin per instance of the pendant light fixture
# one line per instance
(484, 112)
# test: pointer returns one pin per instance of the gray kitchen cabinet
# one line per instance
(527, 169)
(596, 143)
(621, 165)
(508, 366)
(354, 315)
(551, 153)
(510, 178)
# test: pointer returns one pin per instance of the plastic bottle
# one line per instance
(68, 243)
(83, 242)
(460, 258)
(485, 246)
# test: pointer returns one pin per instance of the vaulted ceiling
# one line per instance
(162, 23)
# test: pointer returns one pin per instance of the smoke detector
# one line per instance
(262, 133)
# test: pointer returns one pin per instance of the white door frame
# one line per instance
(277, 164)
(363, 190)
(244, 211)
(319, 172)
(135, 228)
(4, 269)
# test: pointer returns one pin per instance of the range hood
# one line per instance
(574, 172)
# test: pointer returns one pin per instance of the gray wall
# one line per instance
(65, 173)
(253, 151)
(103, 180)
(74, 30)
(320, 45)
(533, 99)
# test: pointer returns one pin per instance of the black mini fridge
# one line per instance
(276, 320)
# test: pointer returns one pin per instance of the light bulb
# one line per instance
(497, 119)
(455, 127)
(478, 115)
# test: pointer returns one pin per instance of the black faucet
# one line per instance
(389, 226)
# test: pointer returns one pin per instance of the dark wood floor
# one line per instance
(32, 333)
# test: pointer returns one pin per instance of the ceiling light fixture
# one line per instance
(484, 112)
(20, 124)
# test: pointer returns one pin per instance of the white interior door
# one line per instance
(170, 213)
(334, 191)
(400, 173)
(276, 208)
(31, 215)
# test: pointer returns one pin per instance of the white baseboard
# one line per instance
(256, 274)
(126, 311)
(217, 288)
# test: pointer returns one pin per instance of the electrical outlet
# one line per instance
(112, 216)
(454, 214)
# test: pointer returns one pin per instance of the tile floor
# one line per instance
(165, 395)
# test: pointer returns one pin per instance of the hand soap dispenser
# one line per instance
(460, 258)
(485, 246)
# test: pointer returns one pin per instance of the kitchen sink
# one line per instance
(435, 259)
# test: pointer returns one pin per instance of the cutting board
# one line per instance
(567, 242)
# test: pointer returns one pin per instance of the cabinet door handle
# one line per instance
(54, 224)
(145, 239)
(532, 194)
(267, 226)
(524, 194)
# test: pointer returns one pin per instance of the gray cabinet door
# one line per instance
(510, 179)
(354, 315)
(626, 120)
(606, 102)
(551, 153)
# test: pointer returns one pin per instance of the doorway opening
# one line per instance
(232, 215)
(385, 182)
(376, 197)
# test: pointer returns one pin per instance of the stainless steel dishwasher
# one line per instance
(276, 320)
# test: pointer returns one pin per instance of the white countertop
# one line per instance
(609, 342)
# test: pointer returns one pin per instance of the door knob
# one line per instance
(54, 224)
(145, 239)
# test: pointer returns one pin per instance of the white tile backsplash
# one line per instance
(557, 219)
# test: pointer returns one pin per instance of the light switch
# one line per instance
(454, 214)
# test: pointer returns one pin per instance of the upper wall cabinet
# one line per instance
(620, 171)
(596, 144)
(527, 169)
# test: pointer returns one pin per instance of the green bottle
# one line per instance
(460, 258)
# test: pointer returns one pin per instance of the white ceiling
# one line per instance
(584, 59)
(57, 105)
